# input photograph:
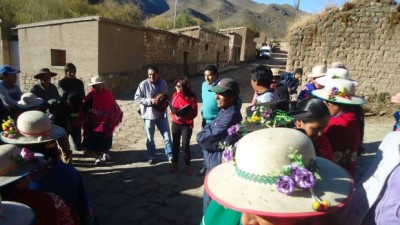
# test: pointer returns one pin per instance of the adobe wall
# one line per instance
(4, 47)
(363, 35)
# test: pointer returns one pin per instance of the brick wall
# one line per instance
(364, 35)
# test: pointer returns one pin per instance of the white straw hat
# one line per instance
(95, 80)
(335, 73)
(249, 184)
(317, 71)
(34, 127)
(29, 100)
(15, 213)
(339, 91)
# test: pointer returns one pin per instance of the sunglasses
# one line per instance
(178, 85)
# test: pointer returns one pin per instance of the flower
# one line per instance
(27, 155)
(303, 178)
(285, 185)
(234, 129)
(9, 128)
(227, 154)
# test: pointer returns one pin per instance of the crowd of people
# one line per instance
(290, 160)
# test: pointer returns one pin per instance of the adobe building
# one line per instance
(118, 52)
(235, 45)
(213, 46)
(248, 48)
(364, 35)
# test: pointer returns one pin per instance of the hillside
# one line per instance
(271, 20)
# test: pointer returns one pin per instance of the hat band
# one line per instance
(35, 134)
(8, 169)
(256, 178)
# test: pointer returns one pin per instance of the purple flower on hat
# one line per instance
(303, 178)
(285, 185)
(234, 129)
(27, 155)
(267, 114)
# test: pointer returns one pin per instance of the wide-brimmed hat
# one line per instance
(339, 91)
(6, 69)
(15, 163)
(226, 84)
(317, 71)
(95, 80)
(29, 100)
(276, 72)
(254, 183)
(338, 65)
(34, 127)
(335, 73)
(44, 71)
(15, 213)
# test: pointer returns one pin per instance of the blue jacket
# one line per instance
(290, 81)
(216, 131)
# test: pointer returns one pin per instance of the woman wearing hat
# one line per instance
(36, 132)
(317, 71)
(101, 115)
(15, 168)
(265, 184)
(344, 129)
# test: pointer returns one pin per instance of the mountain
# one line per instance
(270, 20)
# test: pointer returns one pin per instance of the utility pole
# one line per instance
(217, 24)
(173, 29)
(296, 5)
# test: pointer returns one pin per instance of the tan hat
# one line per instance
(29, 100)
(276, 72)
(44, 71)
(317, 71)
(15, 213)
(335, 73)
(16, 163)
(34, 127)
(340, 91)
(95, 80)
(255, 182)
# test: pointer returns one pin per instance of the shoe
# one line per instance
(106, 157)
(151, 161)
(170, 159)
(188, 170)
(174, 168)
(202, 172)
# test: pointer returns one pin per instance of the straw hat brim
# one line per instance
(228, 189)
(37, 76)
(22, 170)
(23, 105)
(16, 213)
(324, 95)
(314, 75)
(325, 81)
(94, 83)
(55, 133)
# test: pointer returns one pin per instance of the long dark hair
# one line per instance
(186, 87)
(316, 107)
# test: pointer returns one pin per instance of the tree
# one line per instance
(184, 20)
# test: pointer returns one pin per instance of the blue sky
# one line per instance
(310, 6)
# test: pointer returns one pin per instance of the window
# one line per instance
(58, 57)
(206, 47)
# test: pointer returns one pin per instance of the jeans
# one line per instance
(163, 127)
(185, 131)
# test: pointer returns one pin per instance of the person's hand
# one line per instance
(395, 98)
(154, 101)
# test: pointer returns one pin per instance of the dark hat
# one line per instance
(44, 71)
(226, 84)
(6, 69)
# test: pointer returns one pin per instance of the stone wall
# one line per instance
(4, 46)
(364, 35)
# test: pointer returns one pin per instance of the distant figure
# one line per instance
(184, 111)
(210, 109)
(292, 80)
(260, 80)
(45, 89)
(152, 96)
(317, 71)
(10, 93)
(72, 92)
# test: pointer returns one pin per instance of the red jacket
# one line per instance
(343, 132)
(178, 102)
